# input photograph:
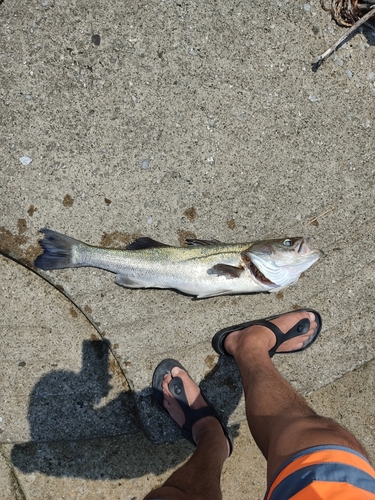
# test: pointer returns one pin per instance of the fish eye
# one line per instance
(288, 243)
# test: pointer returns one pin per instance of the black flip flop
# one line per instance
(176, 387)
(300, 328)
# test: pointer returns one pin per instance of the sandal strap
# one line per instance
(298, 329)
(177, 389)
(195, 415)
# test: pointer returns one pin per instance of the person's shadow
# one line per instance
(66, 406)
(68, 420)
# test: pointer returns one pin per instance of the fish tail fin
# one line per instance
(60, 251)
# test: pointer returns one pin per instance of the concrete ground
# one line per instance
(173, 119)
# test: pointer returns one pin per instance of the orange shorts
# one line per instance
(324, 472)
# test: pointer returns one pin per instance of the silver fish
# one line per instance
(204, 268)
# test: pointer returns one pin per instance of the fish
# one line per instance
(203, 268)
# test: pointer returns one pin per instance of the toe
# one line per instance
(177, 372)
(285, 323)
(192, 391)
(168, 400)
(313, 323)
(165, 384)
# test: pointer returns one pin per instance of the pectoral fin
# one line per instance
(226, 270)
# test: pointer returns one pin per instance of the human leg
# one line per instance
(199, 477)
(281, 421)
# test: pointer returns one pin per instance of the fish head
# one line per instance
(279, 263)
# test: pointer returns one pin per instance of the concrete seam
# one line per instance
(29, 268)
(15, 484)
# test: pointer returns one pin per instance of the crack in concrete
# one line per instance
(99, 332)
(15, 484)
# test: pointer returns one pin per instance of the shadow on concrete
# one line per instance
(74, 435)
(65, 405)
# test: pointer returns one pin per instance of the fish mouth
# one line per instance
(302, 246)
(258, 275)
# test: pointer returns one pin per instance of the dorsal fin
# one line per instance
(145, 242)
(195, 242)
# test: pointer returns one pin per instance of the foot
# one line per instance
(265, 338)
(203, 427)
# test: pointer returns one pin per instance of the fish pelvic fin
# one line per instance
(58, 251)
(226, 270)
(127, 282)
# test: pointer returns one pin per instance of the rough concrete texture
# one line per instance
(350, 402)
(59, 379)
(172, 119)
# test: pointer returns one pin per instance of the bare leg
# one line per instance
(279, 419)
(199, 477)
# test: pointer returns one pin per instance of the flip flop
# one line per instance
(177, 389)
(300, 328)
